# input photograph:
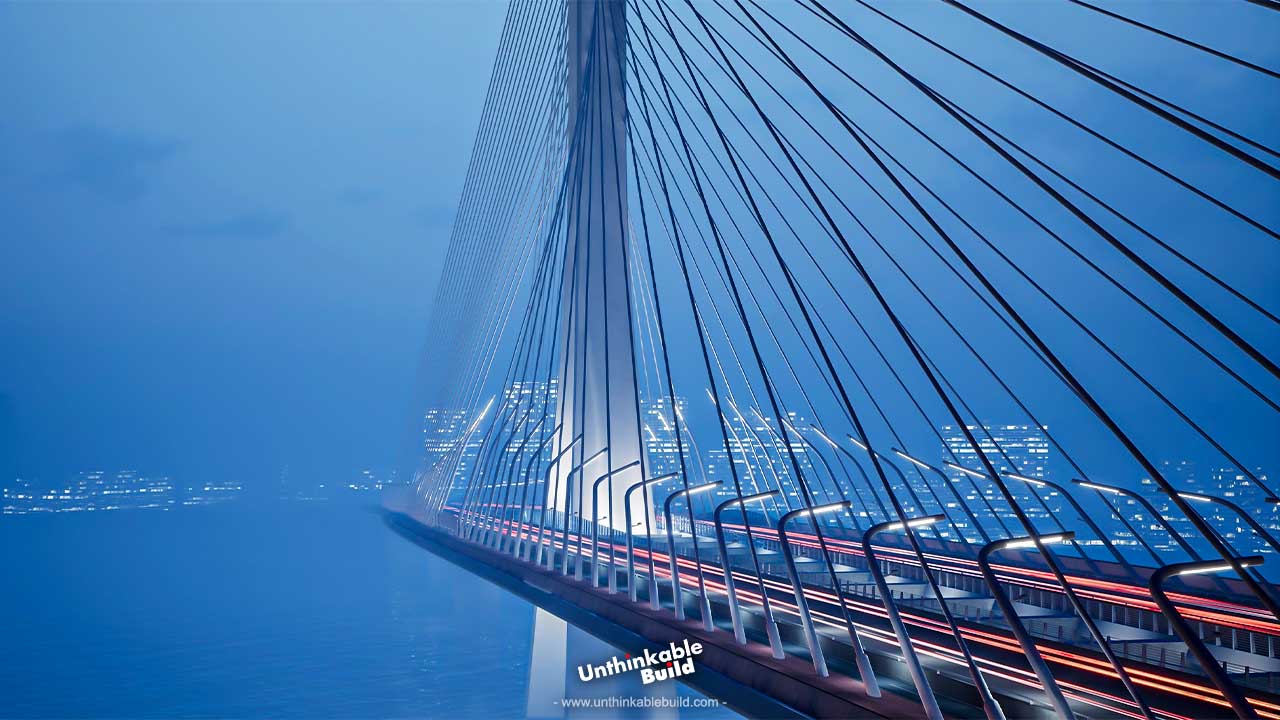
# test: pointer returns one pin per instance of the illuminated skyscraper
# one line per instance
(1021, 449)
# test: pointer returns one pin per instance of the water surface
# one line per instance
(297, 610)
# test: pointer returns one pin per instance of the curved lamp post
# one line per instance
(595, 525)
(568, 519)
(990, 707)
(542, 519)
(946, 481)
(906, 484)
(770, 625)
(1075, 504)
(1020, 633)
(1146, 505)
(974, 476)
(676, 596)
(631, 543)
(930, 703)
(500, 536)
(1267, 537)
(1237, 700)
(517, 546)
(806, 620)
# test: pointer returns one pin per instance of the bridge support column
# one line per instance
(558, 649)
(597, 373)
(597, 383)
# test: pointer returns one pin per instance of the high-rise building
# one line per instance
(1182, 474)
(532, 408)
(212, 492)
(442, 430)
(527, 407)
(658, 422)
(1231, 484)
(90, 491)
(1020, 449)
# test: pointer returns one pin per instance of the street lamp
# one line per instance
(505, 505)
(930, 703)
(906, 484)
(770, 625)
(1097, 532)
(857, 465)
(1146, 505)
(950, 486)
(631, 543)
(1020, 633)
(990, 707)
(568, 519)
(806, 620)
(595, 524)
(1206, 659)
(676, 596)
(974, 476)
(1267, 537)
(542, 518)
(517, 547)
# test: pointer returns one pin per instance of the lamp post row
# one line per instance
(484, 529)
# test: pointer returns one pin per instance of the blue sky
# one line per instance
(221, 226)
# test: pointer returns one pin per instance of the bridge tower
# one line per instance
(597, 396)
(597, 373)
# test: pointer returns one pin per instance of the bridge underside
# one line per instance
(746, 678)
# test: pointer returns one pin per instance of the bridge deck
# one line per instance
(747, 678)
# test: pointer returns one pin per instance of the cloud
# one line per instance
(255, 224)
(111, 164)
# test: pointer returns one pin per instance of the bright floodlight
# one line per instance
(1194, 496)
(910, 459)
(915, 523)
(1099, 488)
(1025, 479)
(1207, 569)
(758, 496)
(480, 417)
(857, 442)
(823, 435)
(1044, 539)
(830, 507)
(701, 488)
(963, 469)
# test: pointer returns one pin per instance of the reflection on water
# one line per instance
(304, 610)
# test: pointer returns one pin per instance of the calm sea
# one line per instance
(307, 610)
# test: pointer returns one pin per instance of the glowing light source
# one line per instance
(1025, 479)
(701, 488)
(757, 496)
(1044, 539)
(963, 469)
(1194, 496)
(916, 522)
(1244, 562)
(822, 509)
(910, 459)
(823, 435)
(1099, 488)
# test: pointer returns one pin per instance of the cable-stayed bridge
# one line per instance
(876, 345)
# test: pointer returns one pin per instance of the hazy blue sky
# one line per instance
(221, 225)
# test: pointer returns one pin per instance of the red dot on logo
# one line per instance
(668, 664)
(628, 656)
